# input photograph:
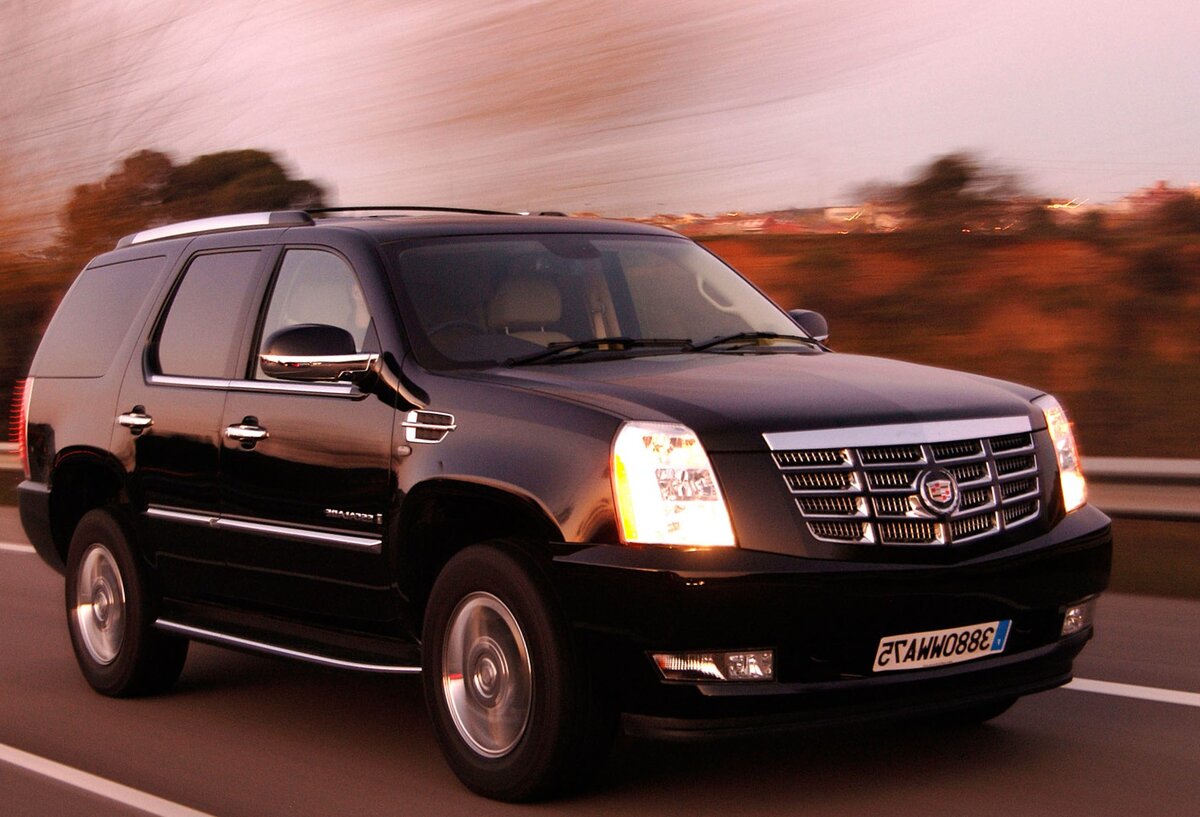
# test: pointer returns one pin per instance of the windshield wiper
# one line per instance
(723, 339)
(562, 348)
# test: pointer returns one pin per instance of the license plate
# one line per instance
(935, 648)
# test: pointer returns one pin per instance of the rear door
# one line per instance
(305, 504)
(169, 414)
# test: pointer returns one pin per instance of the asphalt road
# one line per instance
(243, 735)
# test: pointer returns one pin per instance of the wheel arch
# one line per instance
(82, 479)
(442, 516)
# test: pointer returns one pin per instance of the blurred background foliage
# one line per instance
(1107, 316)
(148, 189)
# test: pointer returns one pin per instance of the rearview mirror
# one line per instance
(813, 323)
(314, 352)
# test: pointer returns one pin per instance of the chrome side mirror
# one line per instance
(314, 353)
(813, 323)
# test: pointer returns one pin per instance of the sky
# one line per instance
(622, 108)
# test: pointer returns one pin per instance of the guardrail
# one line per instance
(1142, 488)
(1125, 487)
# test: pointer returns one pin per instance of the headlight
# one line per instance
(665, 488)
(1070, 472)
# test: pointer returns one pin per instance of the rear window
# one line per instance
(94, 317)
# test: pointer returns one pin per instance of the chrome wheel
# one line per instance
(486, 675)
(100, 604)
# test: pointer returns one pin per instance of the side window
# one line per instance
(315, 286)
(205, 322)
(95, 317)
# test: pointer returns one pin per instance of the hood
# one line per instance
(731, 400)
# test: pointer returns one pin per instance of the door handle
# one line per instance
(135, 420)
(247, 432)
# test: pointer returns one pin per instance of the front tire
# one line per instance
(512, 702)
(110, 613)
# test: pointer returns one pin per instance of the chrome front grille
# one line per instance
(841, 531)
(872, 494)
(788, 459)
(961, 450)
(823, 481)
(891, 455)
(892, 480)
(832, 505)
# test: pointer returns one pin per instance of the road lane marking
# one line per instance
(1169, 696)
(12, 547)
(96, 785)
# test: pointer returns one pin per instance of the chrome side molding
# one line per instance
(345, 541)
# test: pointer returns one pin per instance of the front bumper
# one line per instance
(824, 620)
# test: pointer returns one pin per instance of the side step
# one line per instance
(257, 646)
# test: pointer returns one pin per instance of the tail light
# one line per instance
(19, 429)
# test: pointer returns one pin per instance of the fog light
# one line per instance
(743, 665)
(1078, 617)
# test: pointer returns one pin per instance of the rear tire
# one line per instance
(512, 702)
(110, 613)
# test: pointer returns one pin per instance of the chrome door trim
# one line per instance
(898, 434)
(345, 541)
(273, 649)
(204, 520)
(314, 389)
(187, 382)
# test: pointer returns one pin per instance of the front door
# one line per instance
(306, 467)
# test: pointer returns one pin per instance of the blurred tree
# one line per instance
(956, 192)
(124, 202)
(148, 189)
(1092, 226)
(1163, 271)
(1180, 214)
(1038, 222)
(236, 181)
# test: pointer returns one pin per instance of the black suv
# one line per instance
(578, 474)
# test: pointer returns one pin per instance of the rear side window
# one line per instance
(94, 317)
(206, 319)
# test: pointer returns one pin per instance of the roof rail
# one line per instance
(409, 208)
(241, 221)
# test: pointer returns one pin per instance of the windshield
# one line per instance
(479, 301)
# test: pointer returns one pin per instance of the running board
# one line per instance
(224, 639)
